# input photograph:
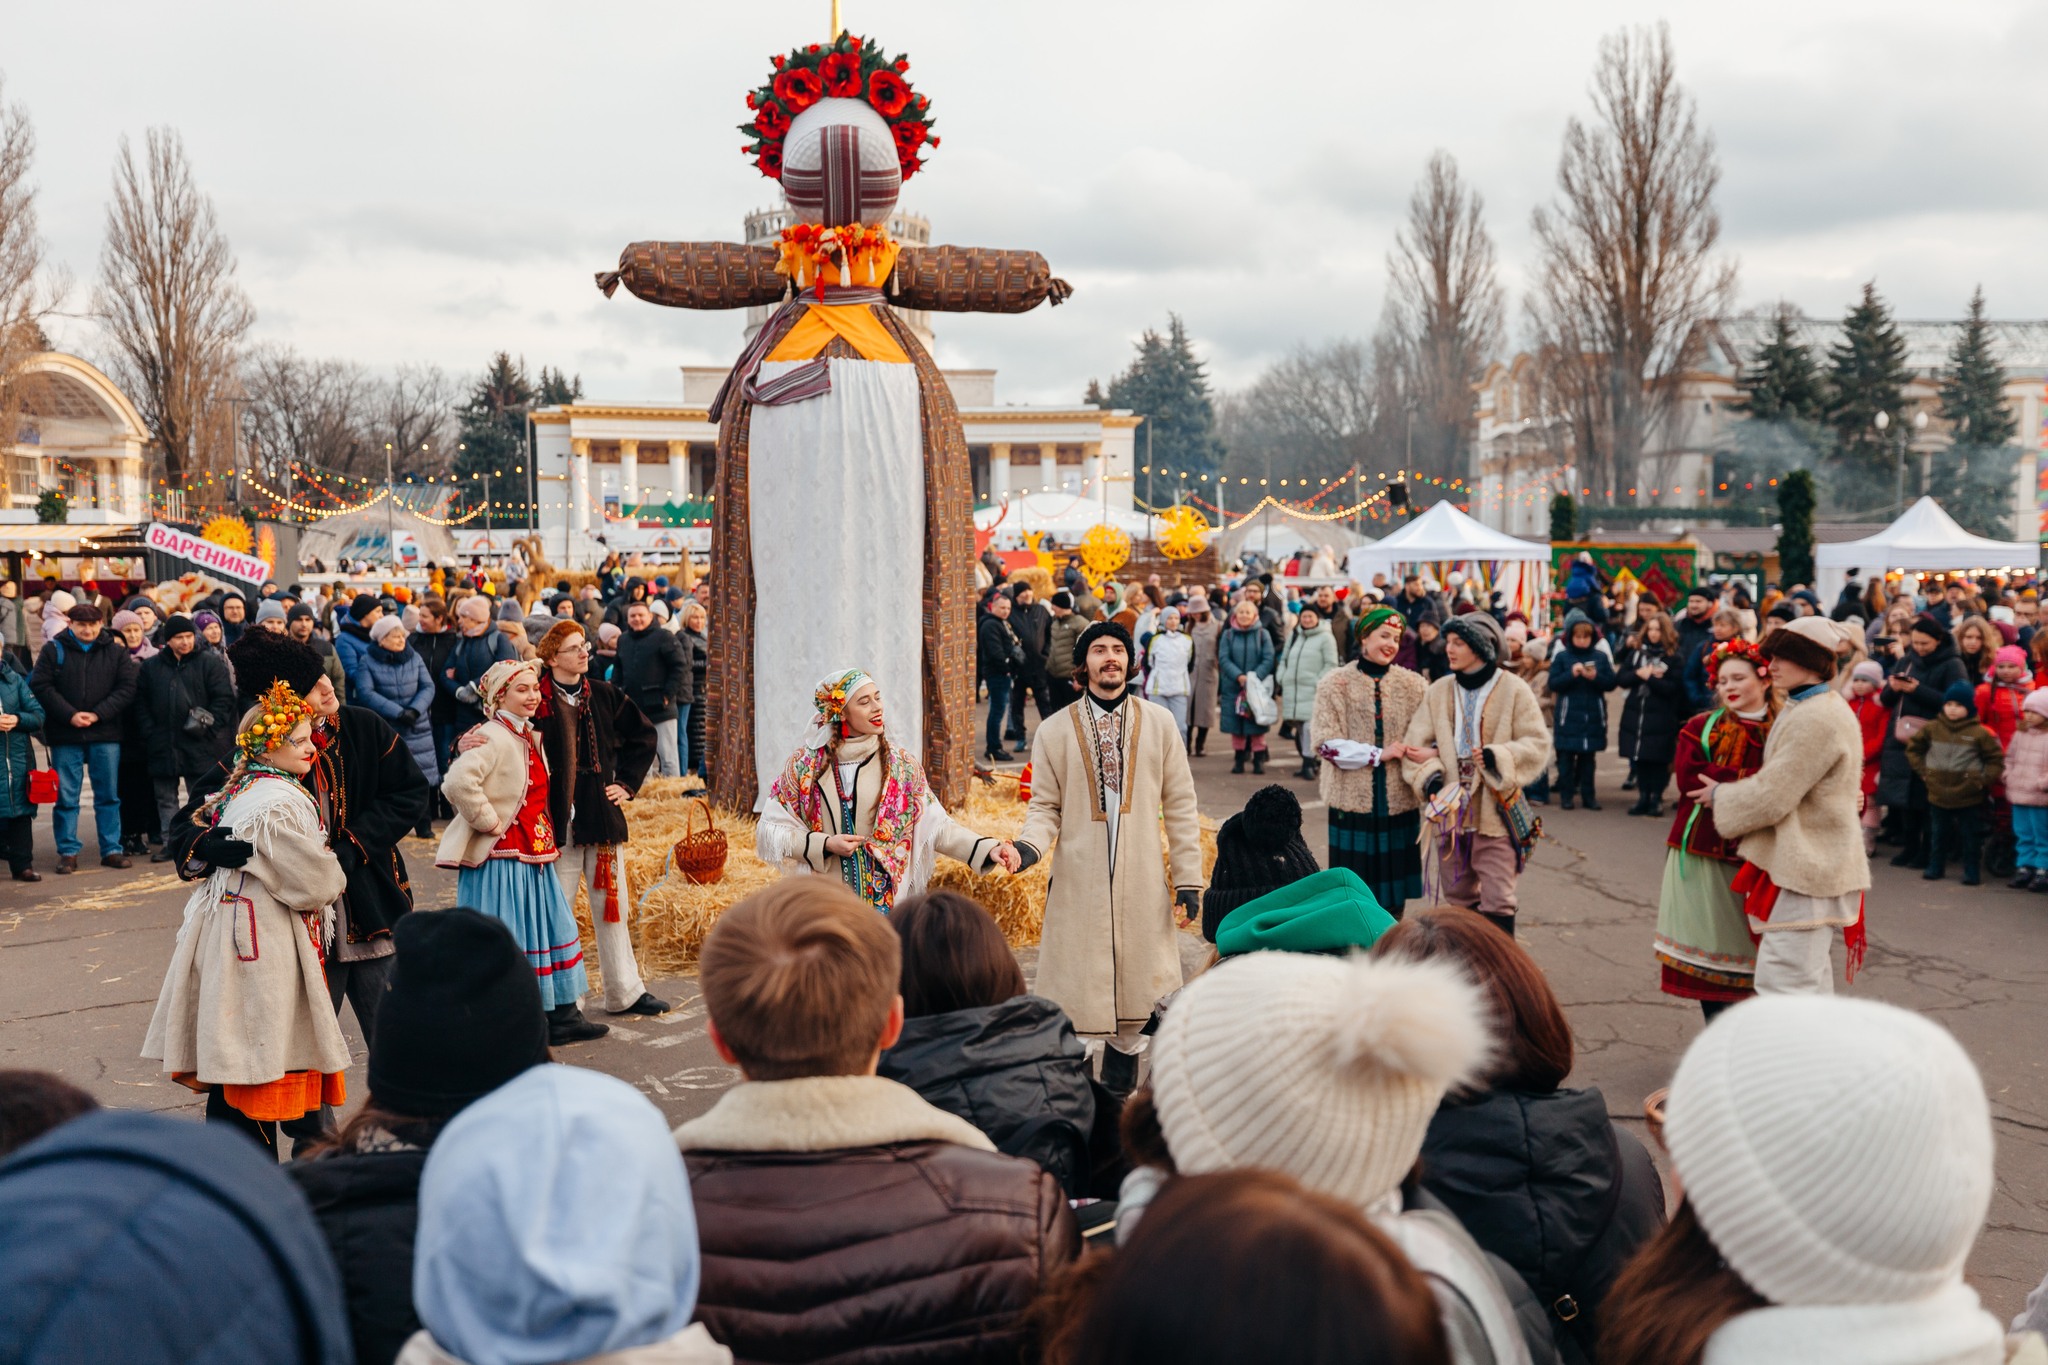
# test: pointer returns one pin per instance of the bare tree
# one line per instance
(170, 305)
(415, 411)
(29, 290)
(1317, 412)
(318, 414)
(1627, 273)
(1446, 310)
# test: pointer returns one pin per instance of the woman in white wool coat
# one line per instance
(243, 1015)
(1169, 668)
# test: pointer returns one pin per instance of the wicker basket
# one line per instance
(700, 853)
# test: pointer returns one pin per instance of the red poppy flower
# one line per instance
(770, 161)
(910, 135)
(798, 89)
(841, 71)
(888, 94)
(772, 121)
(902, 65)
(778, 62)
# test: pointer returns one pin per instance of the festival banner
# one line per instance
(215, 558)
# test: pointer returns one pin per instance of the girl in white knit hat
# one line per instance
(1836, 1159)
(1330, 1070)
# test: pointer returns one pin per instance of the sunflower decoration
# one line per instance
(231, 532)
(279, 712)
(1104, 550)
(1183, 533)
(266, 545)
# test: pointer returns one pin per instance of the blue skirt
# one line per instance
(527, 899)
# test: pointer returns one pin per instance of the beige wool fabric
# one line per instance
(1797, 815)
(1324, 1068)
(1836, 1151)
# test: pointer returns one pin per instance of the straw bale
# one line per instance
(672, 916)
(1038, 576)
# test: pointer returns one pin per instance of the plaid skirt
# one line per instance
(1385, 852)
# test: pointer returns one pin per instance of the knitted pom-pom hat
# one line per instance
(1326, 1069)
(1836, 1151)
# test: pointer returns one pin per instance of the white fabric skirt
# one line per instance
(836, 507)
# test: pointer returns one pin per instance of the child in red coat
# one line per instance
(1999, 698)
(1866, 682)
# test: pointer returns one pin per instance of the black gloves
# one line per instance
(408, 718)
(1189, 899)
(1486, 757)
(1433, 786)
(220, 848)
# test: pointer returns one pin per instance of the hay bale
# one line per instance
(672, 917)
(1037, 576)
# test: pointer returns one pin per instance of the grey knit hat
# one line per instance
(1480, 632)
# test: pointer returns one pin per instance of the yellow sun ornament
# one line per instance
(1104, 550)
(232, 532)
(1183, 533)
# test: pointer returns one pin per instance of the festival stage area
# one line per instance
(81, 960)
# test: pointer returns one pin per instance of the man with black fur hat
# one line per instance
(1109, 785)
(370, 792)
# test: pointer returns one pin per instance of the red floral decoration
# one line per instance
(848, 68)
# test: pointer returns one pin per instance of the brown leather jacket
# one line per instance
(919, 1244)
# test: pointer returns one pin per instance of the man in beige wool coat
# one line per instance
(1113, 802)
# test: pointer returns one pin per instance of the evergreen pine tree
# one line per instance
(1972, 479)
(494, 417)
(552, 390)
(1795, 528)
(1783, 383)
(1093, 398)
(1564, 518)
(1168, 384)
(1866, 375)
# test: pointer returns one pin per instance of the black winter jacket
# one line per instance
(70, 677)
(1656, 709)
(438, 649)
(1936, 673)
(171, 688)
(1033, 625)
(1552, 1186)
(367, 1205)
(1693, 638)
(1000, 1067)
(618, 740)
(998, 652)
(652, 671)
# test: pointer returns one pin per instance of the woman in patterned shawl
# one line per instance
(1703, 942)
(853, 805)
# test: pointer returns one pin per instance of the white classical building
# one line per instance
(599, 463)
(77, 433)
(1520, 454)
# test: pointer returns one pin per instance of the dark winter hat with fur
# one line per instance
(1259, 849)
(1100, 630)
(262, 657)
(1483, 635)
(1807, 642)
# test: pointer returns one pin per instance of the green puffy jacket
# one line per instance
(17, 757)
(1960, 761)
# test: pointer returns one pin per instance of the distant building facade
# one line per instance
(78, 433)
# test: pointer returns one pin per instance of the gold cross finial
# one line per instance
(837, 27)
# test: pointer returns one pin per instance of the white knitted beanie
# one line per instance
(1326, 1069)
(1836, 1151)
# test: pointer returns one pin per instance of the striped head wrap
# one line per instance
(840, 166)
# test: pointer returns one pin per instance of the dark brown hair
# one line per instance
(799, 979)
(954, 956)
(34, 1102)
(1535, 1039)
(1290, 1274)
(1670, 1298)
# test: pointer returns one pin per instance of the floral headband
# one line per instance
(1736, 649)
(279, 712)
(833, 694)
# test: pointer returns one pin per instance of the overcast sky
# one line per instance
(439, 179)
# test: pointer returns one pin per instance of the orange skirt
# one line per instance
(291, 1096)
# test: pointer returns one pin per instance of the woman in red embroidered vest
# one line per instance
(243, 1014)
(1703, 943)
(853, 805)
(504, 841)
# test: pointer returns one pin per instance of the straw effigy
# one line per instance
(672, 916)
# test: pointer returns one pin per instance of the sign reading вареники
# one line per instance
(207, 555)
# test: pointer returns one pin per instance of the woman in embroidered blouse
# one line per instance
(243, 1015)
(1375, 820)
(503, 842)
(1703, 945)
(853, 805)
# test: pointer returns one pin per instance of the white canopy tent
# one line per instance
(1924, 539)
(1065, 517)
(1444, 535)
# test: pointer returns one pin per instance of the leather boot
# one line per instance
(1258, 762)
(1237, 766)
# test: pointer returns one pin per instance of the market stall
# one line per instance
(1446, 540)
(1924, 539)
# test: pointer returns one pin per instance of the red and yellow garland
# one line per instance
(846, 68)
(855, 254)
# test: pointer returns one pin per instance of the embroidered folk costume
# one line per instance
(1375, 820)
(838, 783)
(836, 403)
(1113, 803)
(1703, 944)
(503, 839)
(243, 1010)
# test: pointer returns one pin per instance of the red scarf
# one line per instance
(1760, 896)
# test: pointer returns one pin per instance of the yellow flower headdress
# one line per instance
(278, 713)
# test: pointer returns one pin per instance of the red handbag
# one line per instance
(42, 786)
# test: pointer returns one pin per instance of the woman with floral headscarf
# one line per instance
(1703, 942)
(504, 841)
(851, 804)
(243, 1015)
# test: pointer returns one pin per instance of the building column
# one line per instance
(998, 472)
(1091, 468)
(679, 472)
(629, 476)
(579, 484)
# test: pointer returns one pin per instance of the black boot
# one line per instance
(1303, 773)
(1258, 762)
(1238, 765)
(1119, 1071)
(566, 1025)
(1201, 741)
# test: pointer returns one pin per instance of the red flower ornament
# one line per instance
(798, 89)
(888, 94)
(772, 122)
(841, 73)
